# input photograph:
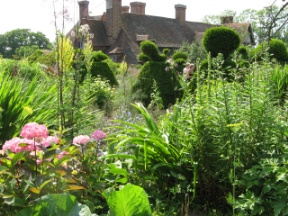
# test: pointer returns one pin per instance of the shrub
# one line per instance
(167, 83)
(102, 94)
(180, 59)
(166, 51)
(243, 52)
(179, 55)
(150, 52)
(278, 50)
(99, 56)
(150, 49)
(143, 57)
(221, 40)
(102, 69)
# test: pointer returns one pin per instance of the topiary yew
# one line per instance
(167, 81)
(278, 50)
(99, 68)
(150, 52)
(180, 59)
(155, 68)
(221, 40)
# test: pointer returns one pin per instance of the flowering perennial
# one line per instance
(34, 130)
(81, 139)
(98, 135)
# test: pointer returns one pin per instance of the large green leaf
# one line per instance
(131, 200)
(56, 204)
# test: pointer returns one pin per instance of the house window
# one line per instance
(81, 44)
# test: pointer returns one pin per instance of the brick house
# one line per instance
(118, 32)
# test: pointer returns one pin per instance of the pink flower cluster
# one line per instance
(34, 136)
(98, 135)
(34, 130)
(81, 139)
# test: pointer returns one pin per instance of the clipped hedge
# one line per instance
(167, 81)
(102, 69)
(150, 52)
(221, 40)
(278, 50)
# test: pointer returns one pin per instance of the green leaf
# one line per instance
(56, 204)
(15, 158)
(131, 200)
(14, 201)
(119, 156)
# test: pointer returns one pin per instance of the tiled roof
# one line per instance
(165, 32)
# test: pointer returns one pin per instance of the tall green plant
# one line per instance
(22, 101)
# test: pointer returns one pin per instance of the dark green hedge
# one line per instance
(103, 70)
(221, 40)
(167, 81)
(278, 50)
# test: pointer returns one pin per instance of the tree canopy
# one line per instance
(13, 40)
(269, 22)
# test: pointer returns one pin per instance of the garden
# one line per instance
(95, 137)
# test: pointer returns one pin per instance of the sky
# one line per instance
(38, 15)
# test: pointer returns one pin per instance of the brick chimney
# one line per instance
(226, 19)
(113, 19)
(180, 12)
(83, 10)
(138, 8)
(125, 9)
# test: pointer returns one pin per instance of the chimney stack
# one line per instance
(180, 12)
(125, 9)
(138, 8)
(83, 10)
(113, 19)
(226, 19)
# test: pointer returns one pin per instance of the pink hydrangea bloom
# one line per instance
(81, 139)
(13, 145)
(39, 161)
(34, 130)
(61, 154)
(98, 135)
(50, 140)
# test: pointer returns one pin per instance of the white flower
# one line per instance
(84, 29)
(73, 34)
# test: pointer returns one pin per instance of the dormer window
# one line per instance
(140, 38)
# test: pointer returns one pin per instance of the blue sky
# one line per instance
(37, 15)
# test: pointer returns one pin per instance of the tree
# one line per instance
(12, 40)
(273, 19)
(270, 22)
(216, 19)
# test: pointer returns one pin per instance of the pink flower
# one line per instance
(34, 130)
(61, 154)
(50, 140)
(81, 139)
(13, 145)
(98, 135)
(39, 161)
